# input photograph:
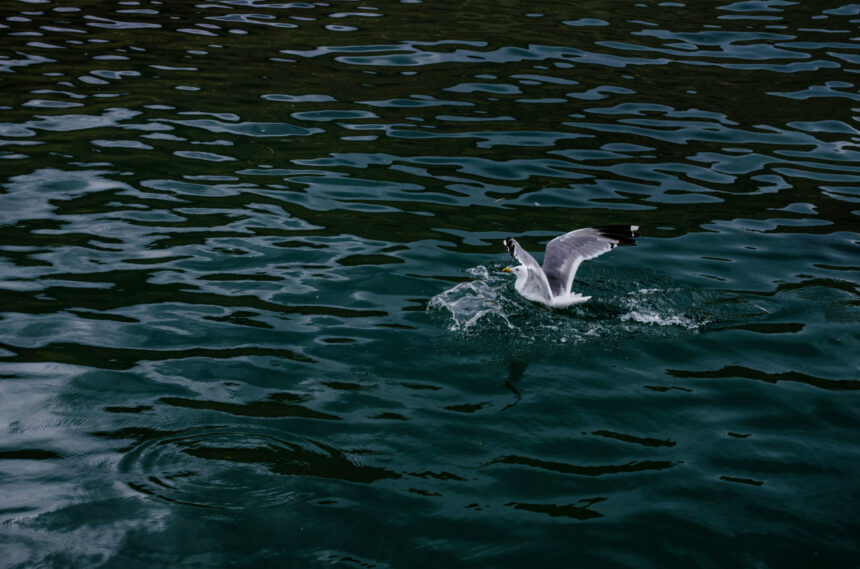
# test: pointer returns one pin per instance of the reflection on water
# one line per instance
(250, 261)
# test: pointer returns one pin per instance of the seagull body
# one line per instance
(550, 284)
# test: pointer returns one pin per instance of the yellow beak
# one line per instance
(507, 270)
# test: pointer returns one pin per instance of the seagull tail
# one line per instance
(623, 234)
(568, 300)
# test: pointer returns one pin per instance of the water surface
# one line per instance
(253, 311)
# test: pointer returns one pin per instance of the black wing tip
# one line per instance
(623, 234)
(509, 243)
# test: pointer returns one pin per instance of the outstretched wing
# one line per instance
(566, 252)
(537, 278)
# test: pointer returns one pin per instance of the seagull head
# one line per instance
(518, 270)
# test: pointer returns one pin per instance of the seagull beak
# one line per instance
(507, 270)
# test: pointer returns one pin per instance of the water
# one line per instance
(253, 311)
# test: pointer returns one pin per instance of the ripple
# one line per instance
(586, 470)
(734, 371)
(263, 214)
(126, 358)
(207, 156)
(580, 510)
(272, 407)
(225, 469)
(584, 22)
(248, 128)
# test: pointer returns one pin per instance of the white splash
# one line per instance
(488, 304)
(652, 306)
(470, 302)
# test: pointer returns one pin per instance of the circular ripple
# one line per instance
(225, 469)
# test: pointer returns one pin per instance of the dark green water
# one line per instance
(252, 313)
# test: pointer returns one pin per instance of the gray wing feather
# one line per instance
(566, 252)
(524, 257)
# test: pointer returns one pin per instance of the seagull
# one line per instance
(550, 284)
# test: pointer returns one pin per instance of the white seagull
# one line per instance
(550, 284)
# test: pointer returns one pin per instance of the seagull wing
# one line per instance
(566, 252)
(537, 276)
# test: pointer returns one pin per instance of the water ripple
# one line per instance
(225, 469)
(285, 219)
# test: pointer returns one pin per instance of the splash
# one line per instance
(488, 304)
(472, 302)
(658, 307)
